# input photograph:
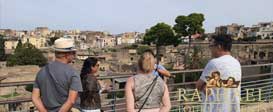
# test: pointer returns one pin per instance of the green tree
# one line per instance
(195, 61)
(27, 55)
(59, 34)
(19, 45)
(2, 48)
(51, 40)
(189, 25)
(161, 35)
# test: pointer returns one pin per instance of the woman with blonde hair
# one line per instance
(146, 92)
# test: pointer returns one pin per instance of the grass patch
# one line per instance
(14, 94)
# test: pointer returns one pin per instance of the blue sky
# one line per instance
(117, 16)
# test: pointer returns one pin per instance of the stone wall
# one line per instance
(17, 74)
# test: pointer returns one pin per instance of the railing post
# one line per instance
(179, 100)
(272, 68)
(271, 90)
(114, 95)
(183, 77)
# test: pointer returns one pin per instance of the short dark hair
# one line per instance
(223, 40)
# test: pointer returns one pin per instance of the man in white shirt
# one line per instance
(222, 95)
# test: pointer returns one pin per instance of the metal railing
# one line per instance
(260, 85)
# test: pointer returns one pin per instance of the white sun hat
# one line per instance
(64, 45)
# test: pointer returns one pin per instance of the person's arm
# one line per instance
(36, 93)
(75, 87)
(130, 101)
(36, 99)
(166, 103)
(164, 72)
(72, 97)
(104, 87)
(200, 84)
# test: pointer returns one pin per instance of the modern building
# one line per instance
(11, 43)
(232, 30)
(37, 41)
(265, 30)
(42, 31)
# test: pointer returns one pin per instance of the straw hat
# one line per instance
(64, 45)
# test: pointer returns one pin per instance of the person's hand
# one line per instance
(155, 67)
(172, 76)
(106, 88)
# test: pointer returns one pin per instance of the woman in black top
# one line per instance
(90, 97)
